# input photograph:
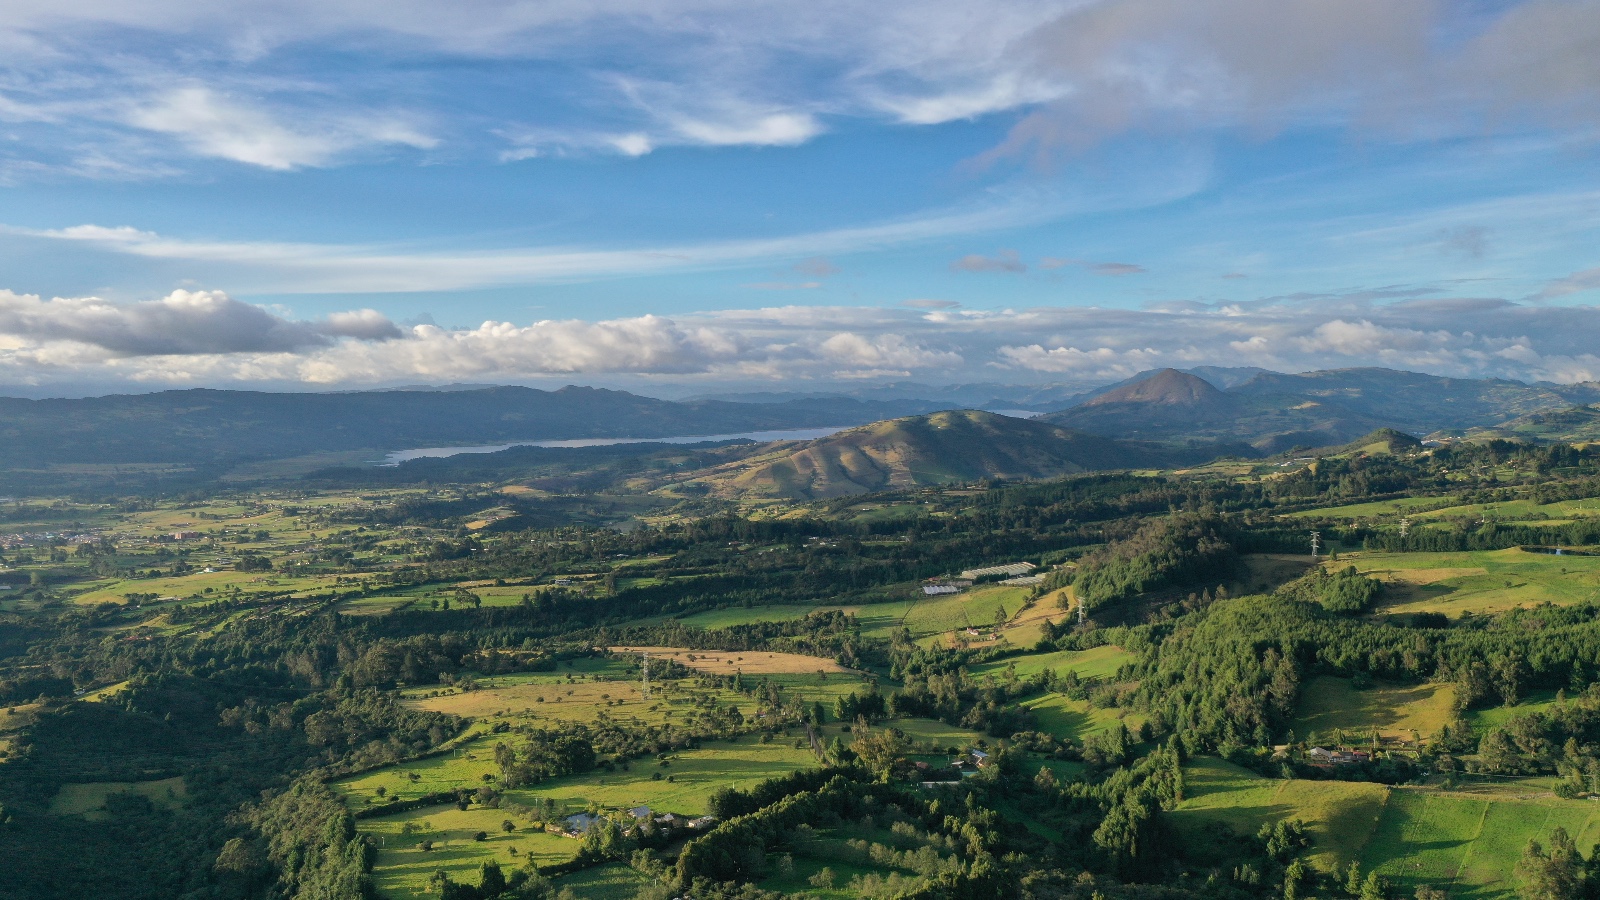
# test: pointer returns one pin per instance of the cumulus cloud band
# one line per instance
(207, 337)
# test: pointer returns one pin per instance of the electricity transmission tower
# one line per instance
(644, 670)
(1405, 526)
(1316, 543)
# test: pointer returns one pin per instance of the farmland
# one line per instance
(1329, 706)
(1478, 583)
(1465, 842)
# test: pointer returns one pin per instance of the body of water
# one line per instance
(793, 434)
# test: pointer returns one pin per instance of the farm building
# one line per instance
(935, 590)
(579, 824)
(1009, 569)
(1321, 756)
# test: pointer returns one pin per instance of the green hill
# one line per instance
(941, 448)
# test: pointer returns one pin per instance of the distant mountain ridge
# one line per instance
(1165, 387)
(1272, 411)
(212, 427)
(939, 448)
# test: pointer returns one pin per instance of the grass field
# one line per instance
(89, 800)
(1478, 582)
(750, 662)
(926, 732)
(1375, 509)
(1495, 716)
(1396, 711)
(1469, 844)
(1465, 843)
(12, 720)
(1101, 662)
(1341, 814)
(402, 868)
(1077, 719)
(612, 882)
(695, 774)
(977, 607)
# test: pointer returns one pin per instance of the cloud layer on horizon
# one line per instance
(206, 338)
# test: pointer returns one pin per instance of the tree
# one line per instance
(491, 881)
(1553, 875)
(880, 750)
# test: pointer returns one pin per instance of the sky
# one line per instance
(707, 195)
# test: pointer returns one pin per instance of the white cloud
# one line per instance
(217, 126)
(332, 268)
(784, 129)
(183, 322)
(207, 338)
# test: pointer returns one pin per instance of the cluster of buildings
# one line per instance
(580, 824)
(1017, 573)
(1322, 756)
(45, 539)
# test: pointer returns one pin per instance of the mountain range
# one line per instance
(1162, 418)
(212, 427)
(1271, 412)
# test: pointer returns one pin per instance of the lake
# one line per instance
(793, 434)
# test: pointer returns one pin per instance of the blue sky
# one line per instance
(685, 196)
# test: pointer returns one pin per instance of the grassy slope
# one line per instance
(1466, 843)
(945, 447)
(1478, 582)
(1395, 710)
(1341, 814)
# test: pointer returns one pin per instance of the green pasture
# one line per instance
(695, 775)
(1465, 843)
(1497, 716)
(402, 868)
(1341, 815)
(610, 882)
(1478, 582)
(976, 607)
(728, 618)
(1519, 511)
(924, 732)
(1375, 509)
(193, 586)
(89, 800)
(1100, 662)
(1397, 711)
(1075, 720)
